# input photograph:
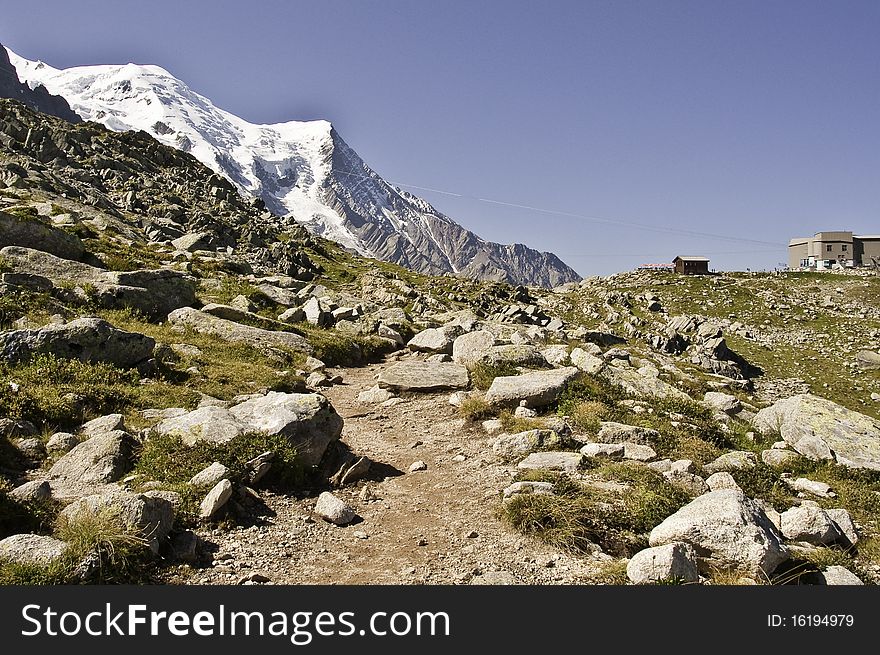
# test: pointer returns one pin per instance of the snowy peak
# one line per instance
(303, 170)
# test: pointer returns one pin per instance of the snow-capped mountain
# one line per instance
(301, 170)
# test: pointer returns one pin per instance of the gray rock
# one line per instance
(469, 349)
(603, 450)
(32, 549)
(820, 429)
(683, 465)
(511, 446)
(418, 465)
(722, 480)
(537, 389)
(814, 487)
(553, 460)
(317, 313)
(435, 340)
(809, 524)
(374, 395)
(139, 514)
(556, 355)
(194, 241)
(103, 458)
(868, 360)
(837, 576)
(35, 234)
(691, 484)
(675, 561)
(527, 488)
(723, 402)
(292, 315)
(332, 509)
(215, 500)
(31, 447)
(735, 460)
(637, 383)
(611, 432)
(236, 332)
(390, 333)
(307, 420)
(514, 355)
(34, 491)
(86, 339)
(638, 452)
(185, 546)
(587, 362)
(844, 523)
(280, 296)
(778, 458)
(492, 426)
(210, 476)
(102, 425)
(727, 530)
(424, 376)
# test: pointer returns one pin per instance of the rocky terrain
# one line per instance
(190, 394)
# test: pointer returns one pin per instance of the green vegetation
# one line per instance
(579, 515)
(476, 409)
(483, 374)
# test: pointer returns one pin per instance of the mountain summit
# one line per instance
(303, 171)
(36, 98)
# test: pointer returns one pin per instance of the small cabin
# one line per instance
(691, 265)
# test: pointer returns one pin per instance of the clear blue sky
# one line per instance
(751, 119)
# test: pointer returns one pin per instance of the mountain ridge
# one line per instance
(304, 172)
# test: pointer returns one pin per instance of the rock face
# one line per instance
(15, 231)
(820, 429)
(537, 389)
(676, 561)
(424, 376)
(727, 530)
(307, 420)
(102, 458)
(31, 548)
(236, 332)
(86, 339)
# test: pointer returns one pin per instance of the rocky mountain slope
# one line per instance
(303, 171)
(177, 407)
(37, 98)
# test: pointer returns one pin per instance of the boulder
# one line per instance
(187, 317)
(838, 575)
(844, 523)
(103, 458)
(723, 402)
(527, 488)
(553, 461)
(514, 355)
(150, 518)
(809, 524)
(210, 475)
(556, 355)
(813, 487)
(779, 458)
(537, 388)
(193, 241)
(102, 425)
(727, 530)
(307, 420)
(37, 235)
(691, 484)
(611, 432)
(317, 313)
(332, 509)
(722, 480)
(91, 340)
(823, 430)
(735, 460)
(31, 549)
(868, 360)
(435, 340)
(33, 491)
(511, 446)
(638, 452)
(637, 383)
(215, 500)
(424, 376)
(671, 562)
(603, 450)
(374, 395)
(587, 362)
(469, 349)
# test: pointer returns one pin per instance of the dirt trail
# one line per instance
(437, 526)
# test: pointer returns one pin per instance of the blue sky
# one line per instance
(750, 120)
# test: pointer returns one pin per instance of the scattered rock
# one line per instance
(103, 458)
(203, 323)
(603, 450)
(691, 484)
(838, 575)
(638, 452)
(526, 488)
(778, 458)
(210, 476)
(845, 524)
(809, 524)
(435, 340)
(215, 500)
(537, 389)
(512, 446)
(150, 518)
(735, 460)
(332, 509)
(553, 461)
(34, 491)
(812, 487)
(418, 466)
(723, 402)
(374, 395)
(102, 425)
(722, 480)
(469, 349)
(32, 549)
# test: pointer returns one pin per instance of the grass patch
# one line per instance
(580, 515)
(17, 517)
(512, 424)
(476, 409)
(336, 348)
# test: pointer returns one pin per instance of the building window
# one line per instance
(844, 247)
(828, 248)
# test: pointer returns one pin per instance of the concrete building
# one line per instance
(826, 249)
(691, 265)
